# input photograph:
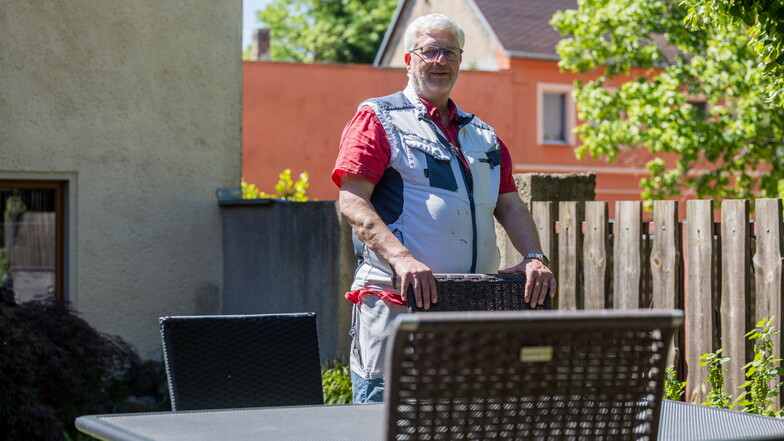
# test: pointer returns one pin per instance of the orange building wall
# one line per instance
(294, 114)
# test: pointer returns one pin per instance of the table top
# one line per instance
(679, 422)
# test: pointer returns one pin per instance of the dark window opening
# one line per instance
(32, 240)
(554, 117)
(701, 107)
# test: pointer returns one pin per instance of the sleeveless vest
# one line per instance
(438, 209)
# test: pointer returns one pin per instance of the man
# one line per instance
(420, 181)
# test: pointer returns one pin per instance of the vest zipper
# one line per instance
(469, 184)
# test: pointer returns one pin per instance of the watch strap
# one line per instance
(538, 256)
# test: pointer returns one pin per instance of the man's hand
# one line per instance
(539, 280)
(419, 278)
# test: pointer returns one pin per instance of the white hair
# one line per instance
(431, 22)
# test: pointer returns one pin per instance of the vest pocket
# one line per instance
(440, 174)
(494, 157)
(425, 146)
(438, 161)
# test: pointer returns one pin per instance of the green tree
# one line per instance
(342, 31)
(764, 22)
(733, 150)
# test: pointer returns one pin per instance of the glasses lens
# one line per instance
(451, 54)
(430, 52)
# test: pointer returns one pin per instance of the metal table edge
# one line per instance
(97, 427)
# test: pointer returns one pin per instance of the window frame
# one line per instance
(64, 223)
(570, 117)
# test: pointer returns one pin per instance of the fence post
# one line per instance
(595, 255)
(626, 254)
(768, 269)
(569, 251)
(666, 260)
(699, 298)
(735, 289)
(544, 218)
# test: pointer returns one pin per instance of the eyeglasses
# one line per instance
(431, 53)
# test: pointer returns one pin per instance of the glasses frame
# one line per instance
(440, 53)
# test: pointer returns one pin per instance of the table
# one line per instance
(679, 422)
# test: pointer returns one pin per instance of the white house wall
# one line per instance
(138, 104)
(480, 46)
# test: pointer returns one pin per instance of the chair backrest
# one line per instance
(235, 361)
(478, 292)
(528, 374)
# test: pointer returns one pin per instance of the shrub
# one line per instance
(336, 382)
(286, 188)
(716, 397)
(55, 367)
(761, 371)
(673, 388)
(757, 392)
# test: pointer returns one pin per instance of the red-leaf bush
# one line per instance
(55, 367)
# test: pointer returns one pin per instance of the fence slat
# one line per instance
(626, 254)
(569, 251)
(768, 269)
(544, 218)
(666, 258)
(699, 298)
(595, 249)
(543, 213)
(735, 289)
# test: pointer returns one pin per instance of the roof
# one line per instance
(523, 26)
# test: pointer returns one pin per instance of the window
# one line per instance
(555, 114)
(554, 108)
(700, 106)
(32, 240)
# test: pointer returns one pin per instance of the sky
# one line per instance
(249, 22)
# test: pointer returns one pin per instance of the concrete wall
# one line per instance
(578, 187)
(290, 257)
(137, 105)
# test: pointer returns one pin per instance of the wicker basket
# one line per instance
(478, 292)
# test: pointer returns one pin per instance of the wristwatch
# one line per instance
(538, 256)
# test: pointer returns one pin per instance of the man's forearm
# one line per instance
(518, 223)
(370, 228)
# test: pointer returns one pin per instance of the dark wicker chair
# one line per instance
(235, 361)
(534, 375)
(478, 292)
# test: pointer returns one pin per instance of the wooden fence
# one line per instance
(725, 274)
